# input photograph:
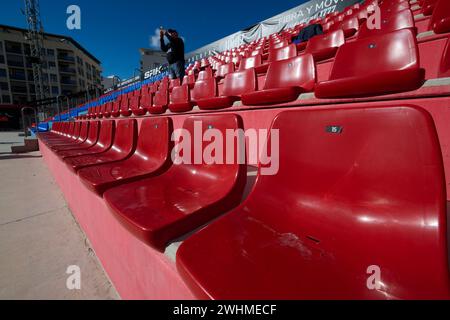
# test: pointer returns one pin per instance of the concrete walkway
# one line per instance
(39, 238)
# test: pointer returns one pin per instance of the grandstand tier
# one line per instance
(363, 179)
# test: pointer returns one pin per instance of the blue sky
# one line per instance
(114, 30)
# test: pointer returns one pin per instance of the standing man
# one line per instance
(175, 53)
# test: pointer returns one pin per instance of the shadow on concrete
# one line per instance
(12, 156)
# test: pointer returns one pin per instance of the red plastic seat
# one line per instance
(125, 106)
(152, 157)
(180, 99)
(285, 81)
(428, 7)
(440, 20)
(355, 196)
(116, 109)
(82, 136)
(401, 20)
(108, 110)
(376, 65)
(325, 46)
(392, 7)
(235, 85)
(225, 69)
(204, 89)
(189, 80)
(90, 141)
(444, 69)
(283, 53)
(160, 101)
(253, 62)
(174, 83)
(125, 138)
(350, 26)
(102, 143)
(185, 197)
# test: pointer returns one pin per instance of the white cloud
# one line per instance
(154, 39)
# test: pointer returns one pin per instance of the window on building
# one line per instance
(13, 47)
(51, 64)
(17, 74)
(2, 59)
(4, 86)
(6, 99)
(55, 91)
(53, 78)
(2, 73)
(1, 46)
(51, 52)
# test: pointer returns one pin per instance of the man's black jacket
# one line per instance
(175, 48)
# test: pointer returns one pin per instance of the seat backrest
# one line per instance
(351, 23)
(125, 104)
(152, 150)
(125, 137)
(71, 129)
(401, 20)
(189, 79)
(180, 94)
(205, 74)
(204, 89)
(84, 130)
(94, 127)
(279, 44)
(109, 107)
(106, 134)
(174, 83)
(444, 69)
(240, 82)
(224, 175)
(284, 53)
(319, 44)
(146, 101)
(355, 179)
(134, 102)
(250, 62)
(374, 55)
(161, 97)
(440, 20)
(116, 106)
(225, 69)
(389, 7)
(295, 72)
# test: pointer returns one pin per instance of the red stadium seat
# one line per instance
(82, 136)
(374, 66)
(402, 20)
(444, 70)
(125, 106)
(355, 196)
(174, 83)
(325, 46)
(440, 20)
(428, 7)
(160, 101)
(151, 158)
(164, 211)
(204, 89)
(205, 74)
(180, 99)
(70, 136)
(90, 141)
(393, 7)
(253, 62)
(116, 109)
(125, 109)
(224, 70)
(235, 85)
(285, 81)
(189, 80)
(102, 143)
(283, 53)
(125, 138)
(350, 27)
(108, 110)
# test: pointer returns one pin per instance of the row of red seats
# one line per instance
(361, 68)
(315, 230)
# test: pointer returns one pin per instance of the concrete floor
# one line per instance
(39, 238)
